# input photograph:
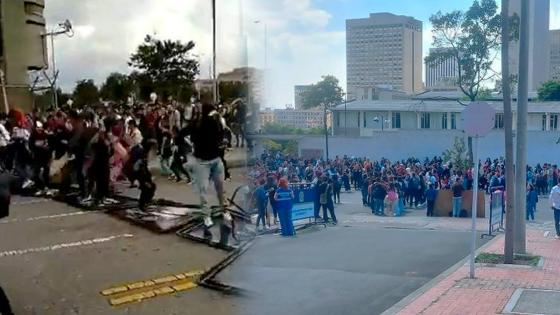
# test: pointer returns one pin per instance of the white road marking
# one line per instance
(18, 252)
(46, 217)
(29, 202)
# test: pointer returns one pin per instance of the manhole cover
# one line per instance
(526, 301)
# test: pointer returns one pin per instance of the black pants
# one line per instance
(79, 170)
(147, 192)
(41, 174)
(4, 207)
(330, 208)
(430, 211)
(5, 308)
(317, 208)
(101, 175)
(337, 195)
(177, 168)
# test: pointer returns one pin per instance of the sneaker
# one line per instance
(111, 201)
(86, 200)
(27, 183)
(557, 237)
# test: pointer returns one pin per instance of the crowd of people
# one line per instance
(100, 145)
(391, 187)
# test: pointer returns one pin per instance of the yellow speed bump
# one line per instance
(141, 290)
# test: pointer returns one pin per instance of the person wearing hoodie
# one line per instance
(532, 199)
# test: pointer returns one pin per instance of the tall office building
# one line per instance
(299, 90)
(555, 55)
(442, 74)
(539, 42)
(22, 48)
(383, 50)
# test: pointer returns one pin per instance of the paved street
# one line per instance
(55, 259)
(365, 264)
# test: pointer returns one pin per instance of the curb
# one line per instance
(395, 309)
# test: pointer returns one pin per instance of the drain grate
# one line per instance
(533, 302)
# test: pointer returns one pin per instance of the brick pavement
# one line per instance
(456, 294)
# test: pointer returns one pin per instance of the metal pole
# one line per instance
(508, 130)
(4, 95)
(382, 122)
(55, 96)
(326, 134)
(474, 207)
(215, 85)
(521, 159)
(345, 101)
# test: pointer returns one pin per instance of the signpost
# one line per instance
(478, 120)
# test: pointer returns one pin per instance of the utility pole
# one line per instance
(215, 79)
(508, 129)
(326, 133)
(521, 159)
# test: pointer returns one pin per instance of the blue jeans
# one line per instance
(457, 206)
(204, 172)
(530, 212)
(378, 206)
(399, 207)
(557, 221)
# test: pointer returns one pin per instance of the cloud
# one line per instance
(107, 32)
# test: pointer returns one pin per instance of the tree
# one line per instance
(326, 92)
(457, 155)
(473, 39)
(230, 91)
(85, 93)
(271, 145)
(167, 64)
(549, 91)
(117, 87)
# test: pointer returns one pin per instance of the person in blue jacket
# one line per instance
(431, 195)
(261, 198)
(284, 199)
(532, 199)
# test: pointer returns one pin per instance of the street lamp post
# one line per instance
(345, 113)
(326, 132)
(63, 28)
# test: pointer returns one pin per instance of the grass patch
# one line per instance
(491, 258)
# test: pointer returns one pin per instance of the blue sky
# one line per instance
(307, 37)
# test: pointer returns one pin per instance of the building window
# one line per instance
(554, 122)
(453, 121)
(425, 120)
(444, 121)
(396, 120)
(337, 119)
(365, 120)
(499, 121)
(544, 122)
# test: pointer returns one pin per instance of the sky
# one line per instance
(305, 39)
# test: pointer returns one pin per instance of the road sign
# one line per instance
(478, 119)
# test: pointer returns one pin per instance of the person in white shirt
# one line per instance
(554, 200)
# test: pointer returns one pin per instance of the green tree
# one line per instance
(230, 91)
(167, 64)
(271, 145)
(117, 87)
(326, 92)
(457, 155)
(473, 39)
(85, 93)
(549, 91)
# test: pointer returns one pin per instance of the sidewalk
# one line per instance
(455, 293)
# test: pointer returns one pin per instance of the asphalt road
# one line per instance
(55, 259)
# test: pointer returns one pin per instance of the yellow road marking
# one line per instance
(141, 290)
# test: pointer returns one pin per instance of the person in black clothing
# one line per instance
(270, 188)
(337, 187)
(5, 183)
(144, 176)
(179, 152)
(365, 193)
(100, 167)
(41, 152)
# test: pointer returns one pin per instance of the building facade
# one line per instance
(299, 91)
(299, 118)
(442, 74)
(22, 49)
(555, 55)
(383, 50)
(266, 117)
(367, 118)
(539, 42)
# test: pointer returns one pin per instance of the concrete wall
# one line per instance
(399, 144)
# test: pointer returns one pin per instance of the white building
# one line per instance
(365, 118)
(555, 55)
(383, 49)
(299, 91)
(442, 74)
(539, 42)
(299, 118)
